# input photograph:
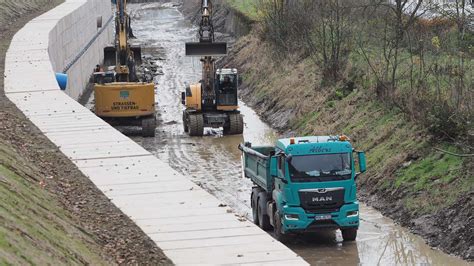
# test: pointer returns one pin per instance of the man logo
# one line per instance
(321, 199)
(321, 190)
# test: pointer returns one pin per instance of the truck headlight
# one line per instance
(292, 217)
(352, 213)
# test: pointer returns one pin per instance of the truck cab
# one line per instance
(305, 184)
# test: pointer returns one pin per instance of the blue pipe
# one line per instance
(61, 78)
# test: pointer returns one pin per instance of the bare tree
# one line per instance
(276, 23)
(327, 34)
(399, 16)
(463, 16)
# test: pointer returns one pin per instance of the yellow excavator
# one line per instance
(212, 102)
(120, 98)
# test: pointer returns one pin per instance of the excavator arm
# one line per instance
(206, 45)
(206, 48)
(123, 56)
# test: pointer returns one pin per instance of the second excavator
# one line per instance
(212, 102)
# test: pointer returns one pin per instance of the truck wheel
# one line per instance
(236, 125)
(263, 219)
(349, 234)
(196, 124)
(253, 203)
(277, 228)
(185, 122)
(148, 126)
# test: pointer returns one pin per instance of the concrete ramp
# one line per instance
(183, 219)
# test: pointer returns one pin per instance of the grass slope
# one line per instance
(50, 213)
(35, 229)
(245, 7)
(406, 178)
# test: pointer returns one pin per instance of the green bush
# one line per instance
(445, 122)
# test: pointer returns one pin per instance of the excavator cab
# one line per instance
(226, 91)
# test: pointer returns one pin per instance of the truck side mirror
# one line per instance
(183, 98)
(362, 161)
(273, 166)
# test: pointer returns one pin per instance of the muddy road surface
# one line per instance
(213, 161)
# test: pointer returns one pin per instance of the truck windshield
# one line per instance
(321, 167)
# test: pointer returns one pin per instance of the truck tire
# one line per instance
(263, 219)
(253, 204)
(185, 122)
(148, 126)
(277, 228)
(349, 234)
(236, 125)
(196, 124)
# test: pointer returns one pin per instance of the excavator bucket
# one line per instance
(206, 49)
(137, 54)
(109, 56)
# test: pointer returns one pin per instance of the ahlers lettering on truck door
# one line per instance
(304, 184)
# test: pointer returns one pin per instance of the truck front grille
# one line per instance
(322, 200)
(322, 224)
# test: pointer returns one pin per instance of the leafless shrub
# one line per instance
(415, 55)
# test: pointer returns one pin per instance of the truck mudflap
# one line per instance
(295, 219)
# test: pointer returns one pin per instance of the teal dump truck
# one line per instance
(304, 184)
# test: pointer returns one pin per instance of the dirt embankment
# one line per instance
(50, 212)
(428, 191)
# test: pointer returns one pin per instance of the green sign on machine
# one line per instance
(124, 94)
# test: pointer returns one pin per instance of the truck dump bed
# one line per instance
(257, 165)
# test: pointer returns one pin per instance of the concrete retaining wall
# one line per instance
(185, 221)
(76, 43)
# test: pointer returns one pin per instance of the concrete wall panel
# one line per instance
(70, 46)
